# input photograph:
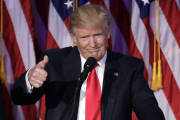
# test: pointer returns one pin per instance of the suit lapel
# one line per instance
(72, 65)
(110, 75)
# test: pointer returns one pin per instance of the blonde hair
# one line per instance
(89, 16)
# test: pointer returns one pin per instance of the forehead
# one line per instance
(89, 31)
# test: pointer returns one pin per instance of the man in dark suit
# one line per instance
(120, 78)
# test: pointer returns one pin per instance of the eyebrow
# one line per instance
(85, 36)
(97, 34)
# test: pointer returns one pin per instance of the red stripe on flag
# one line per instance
(51, 42)
(151, 40)
(66, 22)
(42, 107)
(16, 60)
(172, 14)
(27, 9)
(100, 2)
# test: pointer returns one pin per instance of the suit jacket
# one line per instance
(124, 88)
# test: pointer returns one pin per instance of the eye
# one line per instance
(98, 35)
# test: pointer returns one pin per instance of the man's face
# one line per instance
(91, 42)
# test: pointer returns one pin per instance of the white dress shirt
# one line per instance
(100, 73)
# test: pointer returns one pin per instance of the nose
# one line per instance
(92, 41)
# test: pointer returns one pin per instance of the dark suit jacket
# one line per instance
(124, 88)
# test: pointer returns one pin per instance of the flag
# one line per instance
(32, 26)
(142, 36)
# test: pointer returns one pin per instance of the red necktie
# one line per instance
(93, 97)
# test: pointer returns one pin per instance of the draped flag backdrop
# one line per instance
(32, 26)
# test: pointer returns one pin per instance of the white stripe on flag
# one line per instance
(140, 37)
(169, 46)
(58, 29)
(22, 32)
(107, 3)
(178, 3)
(163, 104)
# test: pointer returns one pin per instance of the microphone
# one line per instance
(88, 66)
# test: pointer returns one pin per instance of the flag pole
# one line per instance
(2, 66)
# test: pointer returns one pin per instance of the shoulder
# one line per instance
(61, 52)
(125, 60)
(57, 51)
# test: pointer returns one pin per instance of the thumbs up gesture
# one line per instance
(37, 75)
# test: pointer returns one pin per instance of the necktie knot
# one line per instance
(96, 65)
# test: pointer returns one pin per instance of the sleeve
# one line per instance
(23, 94)
(20, 95)
(144, 102)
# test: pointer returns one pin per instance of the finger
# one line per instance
(39, 75)
(35, 82)
(36, 85)
(40, 72)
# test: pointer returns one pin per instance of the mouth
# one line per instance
(94, 50)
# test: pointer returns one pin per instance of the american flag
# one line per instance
(32, 26)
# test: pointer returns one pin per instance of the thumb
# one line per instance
(45, 60)
(43, 63)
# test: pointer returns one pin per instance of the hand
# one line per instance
(37, 75)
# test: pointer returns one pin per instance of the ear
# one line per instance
(109, 34)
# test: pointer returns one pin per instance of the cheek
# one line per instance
(82, 45)
(103, 43)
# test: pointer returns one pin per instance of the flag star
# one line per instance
(145, 2)
(69, 4)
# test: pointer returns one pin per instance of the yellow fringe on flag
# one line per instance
(157, 75)
(154, 76)
(2, 70)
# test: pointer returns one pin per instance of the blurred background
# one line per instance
(147, 29)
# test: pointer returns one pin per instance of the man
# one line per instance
(121, 86)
